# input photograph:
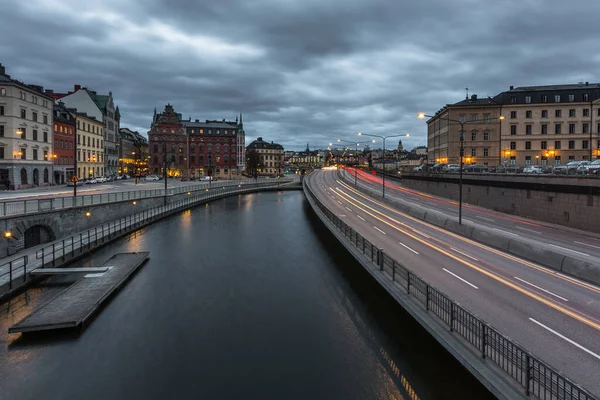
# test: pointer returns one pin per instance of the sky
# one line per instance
(301, 71)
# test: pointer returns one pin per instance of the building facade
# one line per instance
(103, 109)
(63, 155)
(90, 146)
(193, 148)
(133, 153)
(271, 156)
(26, 120)
(523, 126)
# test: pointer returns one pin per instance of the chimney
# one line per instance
(77, 87)
(512, 87)
(2, 70)
(197, 121)
(473, 97)
(49, 92)
(587, 84)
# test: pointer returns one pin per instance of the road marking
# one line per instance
(586, 244)
(339, 202)
(506, 232)
(342, 215)
(467, 220)
(528, 230)
(360, 217)
(348, 209)
(464, 280)
(484, 218)
(564, 248)
(402, 244)
(566, 338)
(464, 254)
(422, 234)
(378, 229)
(542, 289)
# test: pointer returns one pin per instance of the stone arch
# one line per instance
(23, 176)
(36, 176)
(45, 175)
(36, 235)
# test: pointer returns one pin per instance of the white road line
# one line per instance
(484, 218)
(360, 217)
(565, 338)
(468, 220)
(564, 248)
(456, 276)
(464, 254)
(348, 209)
(379, 229)
(339, 202)
(586, 244)
(506, 232)
(528, 230)
(542, 289)
(422, 234)
(402, 244)
(342, 215)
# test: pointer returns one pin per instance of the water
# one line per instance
(246, 297)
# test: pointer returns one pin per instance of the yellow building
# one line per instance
(90, 146)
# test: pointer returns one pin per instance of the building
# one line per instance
(525, 125)
(103, 109)
(26, 118)
(271, 156)
(90, 146)
(304, 159)
(63, 155)
(194, 148)
(133, 152)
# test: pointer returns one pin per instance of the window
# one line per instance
(528, 145)
(486, 118)
(586, 97)
(544, 113)
(23, 133)
(461, 119)
(45, 154)
(155, 148)
(1, 130)
(78, 139)
(571, 128)
(486, 152)
(528, 114)
(557, 129)
(528, 129)
(46, 119)
(513, 145)
(557, 113)
(544, 99)
(486, 135)
(544, 160)
(513, 99)
(513, 114)
(23, 113)
(557, 160)
(473, 136)
(528, 99)
(586, 112)
(572, 112)
(527, 160)
(2, 153)
(544, 129)
(557, 98)
(23, 153)
(1, 110)
(34, 116)
(513, 160)
(586, 128)
(46, 137)
(473, 152)
(513, 129)
(544, 145)
(557, 144)
(473, 119)
(585, 144)
(3, 92)
(180, 159)
(571, 144)
(571, 158)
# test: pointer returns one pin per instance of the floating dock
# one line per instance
(75, 305)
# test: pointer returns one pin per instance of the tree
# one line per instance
(253, 162)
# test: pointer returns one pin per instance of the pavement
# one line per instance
(556, 317)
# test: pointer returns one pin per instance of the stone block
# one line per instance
(581, 269)
(454, 227)
(492, 239)
(435, 219)
(547, 258)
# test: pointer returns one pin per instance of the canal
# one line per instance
(248, 296)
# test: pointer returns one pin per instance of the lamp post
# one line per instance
(355, 167)
(135, 171)
(165, 169)
(383, 138)
(51, 157)
(537, 160)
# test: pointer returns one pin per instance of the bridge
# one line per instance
(534, 326)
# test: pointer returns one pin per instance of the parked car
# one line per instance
(513, 169)
(560, 170)
(101, 179)
(475, 168)
(583, 167)
(118, 177)
(206, 178)
(78, 183)
(594, 167)
(91, 181)
(438, 167)
(418, 168)
(452, 168)
(152, 178)
(532, 169)
(573, 167)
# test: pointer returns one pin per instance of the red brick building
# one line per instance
(63, 152)
(194, 148)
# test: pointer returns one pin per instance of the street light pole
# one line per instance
(355, 167)
(165, 170)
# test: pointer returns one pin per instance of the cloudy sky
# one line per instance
(301, 70)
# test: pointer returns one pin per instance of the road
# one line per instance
(570, 242)
(554, 316)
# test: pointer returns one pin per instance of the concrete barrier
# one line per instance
(454, 227)
(581, 269)
(435, 219)
(416, 213)
(491, 239)
(536, 254)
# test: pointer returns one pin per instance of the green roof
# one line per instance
(99, 99)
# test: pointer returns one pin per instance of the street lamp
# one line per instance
(383, 138)
(355, 167)
(53, 157)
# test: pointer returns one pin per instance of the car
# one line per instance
(594, 167)
(78, 183)
(127, 177)
(101, 179)
(206, 178)
(452, 168)
(583, 167)
(118, 177)
(573, 167)
(560, 170)
(513, 169)
(152, 178)
(532, 169)
(91, 181)
(475, 168)
(438, 167)
(418, 168)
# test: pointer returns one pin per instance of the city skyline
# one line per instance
(300, 73)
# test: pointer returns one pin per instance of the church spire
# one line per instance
(241, 121)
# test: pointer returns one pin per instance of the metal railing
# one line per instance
(30, 206)
(64, 250)
(536, 377)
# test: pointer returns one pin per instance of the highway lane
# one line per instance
(571, 242)
(556, 317)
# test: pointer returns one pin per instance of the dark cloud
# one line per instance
(301, 71)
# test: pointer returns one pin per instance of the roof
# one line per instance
(99, 99)
(39, 90)
(62, 114)
(210, 124)
(475, 101)
(261, 144)
(577, 86)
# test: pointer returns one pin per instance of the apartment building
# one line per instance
(90, 146)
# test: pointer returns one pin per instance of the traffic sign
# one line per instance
(74, 179)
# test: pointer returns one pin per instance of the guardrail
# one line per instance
(30, 206)
(536, 377)
(61, 251)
